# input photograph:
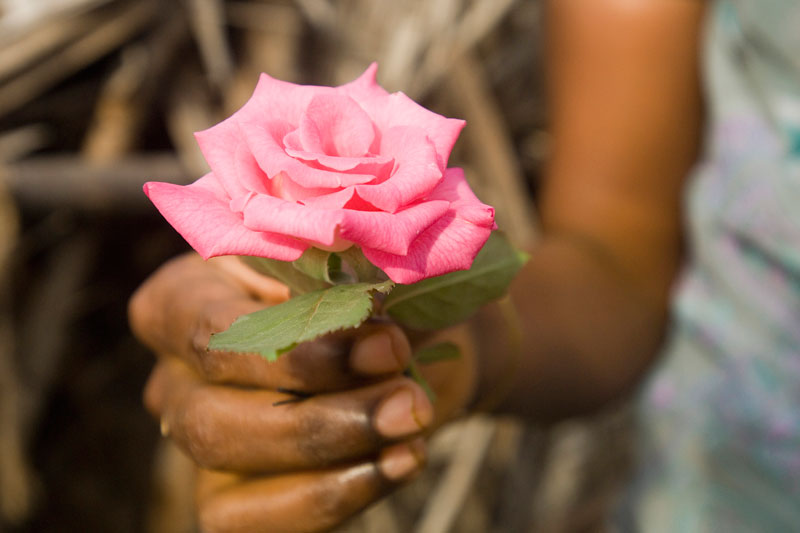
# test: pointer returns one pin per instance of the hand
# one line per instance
(300, 466)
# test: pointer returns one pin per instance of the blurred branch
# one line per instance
(68, 181)
(208, 26)
(18, 143)
(121, 23)
(443, 505)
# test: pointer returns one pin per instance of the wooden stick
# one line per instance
(16, 479)
(124, 22)
(443, 505)
(129, 92)
(476, 23)
(59, 181)
(19, 142)
(44, 40)
(208, 26)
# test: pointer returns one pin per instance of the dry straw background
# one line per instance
(98, 96)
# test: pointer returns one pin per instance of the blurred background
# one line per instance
(99, 96)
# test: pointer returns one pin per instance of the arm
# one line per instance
(626, 120)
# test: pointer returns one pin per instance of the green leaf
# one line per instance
(285, 272)
(439, 302)
(444, 351)
(276, 330)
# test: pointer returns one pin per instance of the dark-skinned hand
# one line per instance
(352, 434)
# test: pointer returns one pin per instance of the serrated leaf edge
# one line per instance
(448, 280)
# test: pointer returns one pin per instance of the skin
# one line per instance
(302, 466)
(592, 301)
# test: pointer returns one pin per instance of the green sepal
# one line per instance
(318, 264)
(285, 272)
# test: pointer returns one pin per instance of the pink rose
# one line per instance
(332, 167)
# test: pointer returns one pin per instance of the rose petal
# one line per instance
(333, 200)
(391, 232)
(334, 124)
(371, 164)
(373, 229)
(230, 159)
(455, 189)
(390, 110)
(416, 172)
(450, 244)
(345, 199)
(281, 186)
(200, 213)
(280, 101)
(265, 142)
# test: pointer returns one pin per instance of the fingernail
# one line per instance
(375, 355)
(403, 413)
(402, 460)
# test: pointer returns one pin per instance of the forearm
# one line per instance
(586, 334)
(626, 116)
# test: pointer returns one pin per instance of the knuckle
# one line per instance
(334, 500)
(313, 441)
(199, 430)
(327, 436)
(211, 365)
(331, 505)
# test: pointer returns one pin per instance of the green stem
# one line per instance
(414, 373)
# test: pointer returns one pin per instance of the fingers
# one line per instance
(265, 289)
(333, 362)
(184, 299)
(234, 429)
(179, 307)
(302, 502)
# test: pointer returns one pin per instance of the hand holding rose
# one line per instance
(302, 466)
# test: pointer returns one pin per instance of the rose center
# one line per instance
(335, 125)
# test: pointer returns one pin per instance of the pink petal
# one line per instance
(230, 159)
(390, 110)
(279, 101)
(366, 83)
(345, 199)
(391, 232)
(455, 189)
(334, 124)
(334, 200)
(267, 213)
(372, 229)
(369, 164)
(265, 142)
(450, 244)
(200, 213)
(416, 170)
(281, 186)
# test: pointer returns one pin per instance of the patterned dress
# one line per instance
(720, 414)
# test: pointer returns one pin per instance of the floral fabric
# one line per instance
(720, 415)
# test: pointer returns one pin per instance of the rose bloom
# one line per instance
(332, 167)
